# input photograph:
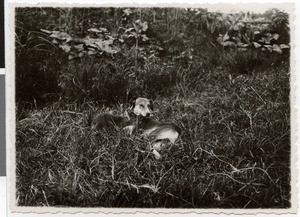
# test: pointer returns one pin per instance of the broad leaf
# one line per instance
(65, 48)
(79, 47)
(256, 45)
(284, 46)
(276, 48)
(46, 31)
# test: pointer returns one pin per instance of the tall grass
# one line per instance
(234, 150)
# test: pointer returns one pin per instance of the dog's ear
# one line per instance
(131, 114)
(151, 105)
(132, 104)
(126, 115)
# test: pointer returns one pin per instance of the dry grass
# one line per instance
(234, 151)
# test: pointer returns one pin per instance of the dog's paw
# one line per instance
(156, 154)
(157, 146)
(129, 130)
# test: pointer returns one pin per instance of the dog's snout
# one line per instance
(148, 114)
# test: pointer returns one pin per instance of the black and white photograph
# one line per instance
(153, 107)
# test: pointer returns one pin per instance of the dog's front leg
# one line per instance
(129, 129)
(156, 154)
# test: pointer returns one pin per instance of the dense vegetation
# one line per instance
(223, 78)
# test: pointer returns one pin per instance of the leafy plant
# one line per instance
(249, 33)
(77, 47)
(138, 34)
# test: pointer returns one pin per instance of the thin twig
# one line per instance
(45, 198)
(137, 187)
(163, 176)
(233, 179)
(236, 170)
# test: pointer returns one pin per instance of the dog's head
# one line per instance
(142, 107)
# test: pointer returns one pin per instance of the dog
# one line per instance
(139, 118)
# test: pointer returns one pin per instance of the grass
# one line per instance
(234, 151)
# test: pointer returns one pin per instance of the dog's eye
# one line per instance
(142, 106)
